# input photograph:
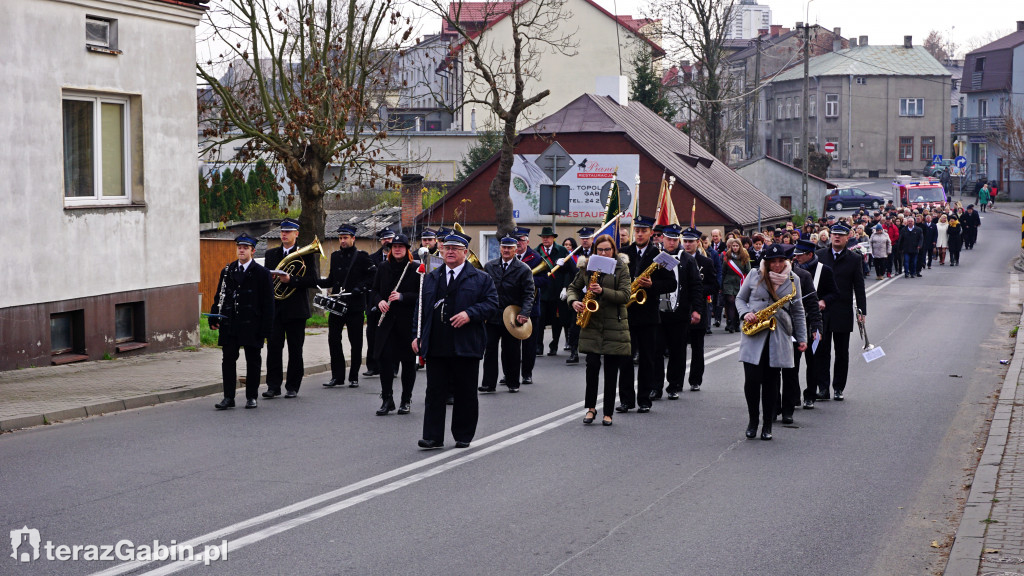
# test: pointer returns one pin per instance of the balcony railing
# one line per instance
(979, 125)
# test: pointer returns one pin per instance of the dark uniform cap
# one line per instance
(346, 229)
(774, 251)
(643, 222)
(804, 247)
(671, 231)
(246, 239)
(289, 224)
(428, 233)
(691, 234)
(509, 240)
(443, 232)
(520, 232)
(403, 240)
(841, 229)
(385, 233)
(456, 239)
(586, 232)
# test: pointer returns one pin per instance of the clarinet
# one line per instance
(223, 285)
(419, 308)
(400, 277)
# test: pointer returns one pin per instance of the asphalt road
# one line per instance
(320, 485)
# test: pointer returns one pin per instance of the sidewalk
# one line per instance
(35, 396)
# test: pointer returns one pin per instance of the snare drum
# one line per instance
(332, 305)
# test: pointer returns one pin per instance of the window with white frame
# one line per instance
(983, 108)
(911, 106)
(796, 108)
(812, 105)
(789, 107)
(778, 108)
(97, 161)
(831, 105)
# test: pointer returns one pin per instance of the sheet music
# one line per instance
(873, 354)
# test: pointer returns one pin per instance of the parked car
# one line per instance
(843, 198)
(935, 169)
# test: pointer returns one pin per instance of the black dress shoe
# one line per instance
(527, 379)
(574, 358)
(386, 407)
(502, 380)
(566, 348)
(353, 383)
(429, 444)
(371, 373)
(673, 395)
(766, 434)
(224, 404)
(717, 323)
(404, 407)
(643, 409)
(486, 389)
(291, 394)
(250, 403)
(752, 431)
(271, 393)
(461, 444)
(838, 397)
(821, 396)
(623, 408)
(513, 389)
(787, 419)
(552, 352)
(808, 404)
(654, 395)
(707, 331)
(694, 387)
(331, 384)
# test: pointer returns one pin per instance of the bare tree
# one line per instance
(1011, 138)
(300, 81)
(695, 30)
(942, 48)
(989, 37)
(502, 73)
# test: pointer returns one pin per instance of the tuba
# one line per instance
(293, 265)
(471, 256)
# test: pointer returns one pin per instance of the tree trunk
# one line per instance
(499, 188)
(308, 177)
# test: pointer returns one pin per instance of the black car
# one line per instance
(935, 169)
(843, 198)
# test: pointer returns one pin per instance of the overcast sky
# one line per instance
(886, 21)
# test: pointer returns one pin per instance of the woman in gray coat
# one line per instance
(764, 354)
(607, 332)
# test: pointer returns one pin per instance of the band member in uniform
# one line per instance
(586, 235)
(373, 314)
(243, 313)
(428, 240)
(709, 285)
(396, 287)
(644, 319)
(290, 315)
(514, 282)
(530, 257)
(790, 397)
(849, 276)
(455, 302)
(763, 354)
(607, 333)
(351, 273)
(681, 310)
(552, 308)
(825, 296)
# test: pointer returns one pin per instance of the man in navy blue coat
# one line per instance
(457, 300)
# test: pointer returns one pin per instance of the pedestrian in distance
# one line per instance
(970, 220)
(243, 315)
(942, 238)
(765, 352)
(605, 338)
(955, 238)
(881, 249)
(984, 197)
(395, 289)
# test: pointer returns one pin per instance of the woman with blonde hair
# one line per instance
(942, 238)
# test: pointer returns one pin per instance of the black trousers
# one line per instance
(574, 336)
(732, 316)
(717, 302)
(647, 371)
(970, 237)
(371, 334)
(672, 337)
(511, 352)
(790, 397)
(612, 365)
(529, 349)
(456, 377)
(353, 321)
(397, 354)
(841, 341)
(810, 372)
(761, 383)
(253, 363)
(881, 266)
(695, 340)
(294, 332)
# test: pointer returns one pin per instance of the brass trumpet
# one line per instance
(293, 265)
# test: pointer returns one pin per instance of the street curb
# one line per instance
(965, 555)
(198, 391)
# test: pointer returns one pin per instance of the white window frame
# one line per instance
(832, 105)
(779, 104)
(912, 107)
(812, 105)
(98, 199)
(796, 108)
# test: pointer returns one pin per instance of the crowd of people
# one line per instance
(633, 306)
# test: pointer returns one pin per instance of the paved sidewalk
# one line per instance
(35, 396)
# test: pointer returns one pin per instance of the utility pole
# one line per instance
(803, 140)
(755, 144)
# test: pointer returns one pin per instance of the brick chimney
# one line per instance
(853, 42)
(776, 29)
(1020, 25)
(412, 200)
(837, 39)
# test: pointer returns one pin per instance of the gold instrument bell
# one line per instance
(471, 256)
(520, 331)
(294, 265)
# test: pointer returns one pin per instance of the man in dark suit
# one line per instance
(552, 308)
(681, 310)
(644, 320)
(378, 258)
(514, 283)
(243, 313)
(709, 285)
(910, 243)
(971, 221)
(528, 256)
(790, 397)
(849, 277)
(825, 295)
(290, 314)
(351, 273)
(456, 303)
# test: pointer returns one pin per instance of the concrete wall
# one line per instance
(776, 181)
(567, 77)
(92, 251)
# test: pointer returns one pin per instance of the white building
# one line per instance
(748, 20)
(100, 192)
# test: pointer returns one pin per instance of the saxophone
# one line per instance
(590, 304)
(636, 293)
(765, 317)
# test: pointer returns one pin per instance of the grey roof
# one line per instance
(367, 222)
(766, 158)
(870, 61)
(695, 168)
(1009, 41)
